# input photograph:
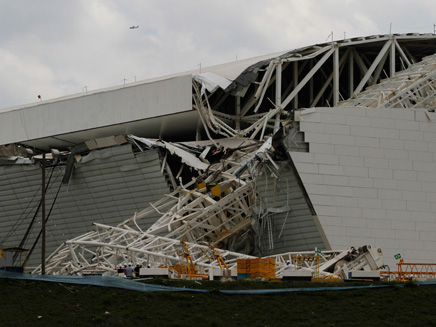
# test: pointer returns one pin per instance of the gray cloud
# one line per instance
(56, 48)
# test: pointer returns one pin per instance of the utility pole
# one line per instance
(43, 216)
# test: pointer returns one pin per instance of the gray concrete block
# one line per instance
(420, 156)
(425, 226)
(390, 194)
(321, 148)
(342, 139)
(424, 166)
(399, 215)
(427, 236)
(409, 185)
(342, 201)
(358, 120)
(384, 233)
(380, 173)
(371, 152)
(403, 225)
(361, 192)
(390, 184)
(338, 129)
(348, 150)
(372, 213)
(377, 114)
(365, 131)
(371, 142)
(335, 180)
(400, 164)
(361, 182)
(407, 125)
(392, 144)
(352, 161)
(369, 203)
(411, 135)
(331, 169)
(415, 206)
(396, 154)
(358, 232)
(404, 114)
(414, 196)
(307, 126)
(317, 137)
(394, 204)
(329, 159)
(349, 211)
(330, 118)
(376, 162)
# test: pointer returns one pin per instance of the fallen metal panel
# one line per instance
(278, 228)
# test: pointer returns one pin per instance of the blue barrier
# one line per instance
(106, 281)
(133, 285)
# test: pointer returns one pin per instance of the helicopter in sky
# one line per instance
(133, 27)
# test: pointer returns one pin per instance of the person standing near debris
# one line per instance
(136, 270)
(128, 271)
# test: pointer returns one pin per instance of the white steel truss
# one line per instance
(414, 87)
(320, 75)
(101, 251)
(213, 209)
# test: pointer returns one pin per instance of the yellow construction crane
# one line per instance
(214, 255)
(187, 266)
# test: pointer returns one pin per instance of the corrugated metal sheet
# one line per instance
(107, 186)
(291, 230)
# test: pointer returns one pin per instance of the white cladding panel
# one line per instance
(107, 186)
(371, 176)
(131, 103)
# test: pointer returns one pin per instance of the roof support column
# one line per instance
(278, 94)
(238, 113)
(373, 67)
(350, 74)
(311, 84)
(392, 58)
(403, 55)
(295, 64)
(43, 241)
(336, 75)
(306, 78)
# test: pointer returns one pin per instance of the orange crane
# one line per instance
(187, 266)
(410, 270)
(214, 255)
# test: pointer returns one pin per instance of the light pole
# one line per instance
(43, 216)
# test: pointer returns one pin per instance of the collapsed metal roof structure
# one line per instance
(227, 160)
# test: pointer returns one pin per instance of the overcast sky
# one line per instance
(54, 48)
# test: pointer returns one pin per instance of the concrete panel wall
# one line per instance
(95, 110)
(108, 186)
(371, 176)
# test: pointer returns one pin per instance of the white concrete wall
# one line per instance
(99, 109)
(371, 176)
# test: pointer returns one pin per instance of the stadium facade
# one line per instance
(352, 158)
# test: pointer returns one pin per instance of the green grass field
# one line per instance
(35, 303)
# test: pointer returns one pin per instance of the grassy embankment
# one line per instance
(34, 303)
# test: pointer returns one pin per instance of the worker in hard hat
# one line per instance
(289, 265)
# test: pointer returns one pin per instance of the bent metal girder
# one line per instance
(107, 247)
(319, 75)
(213, 210)
(414, 87)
